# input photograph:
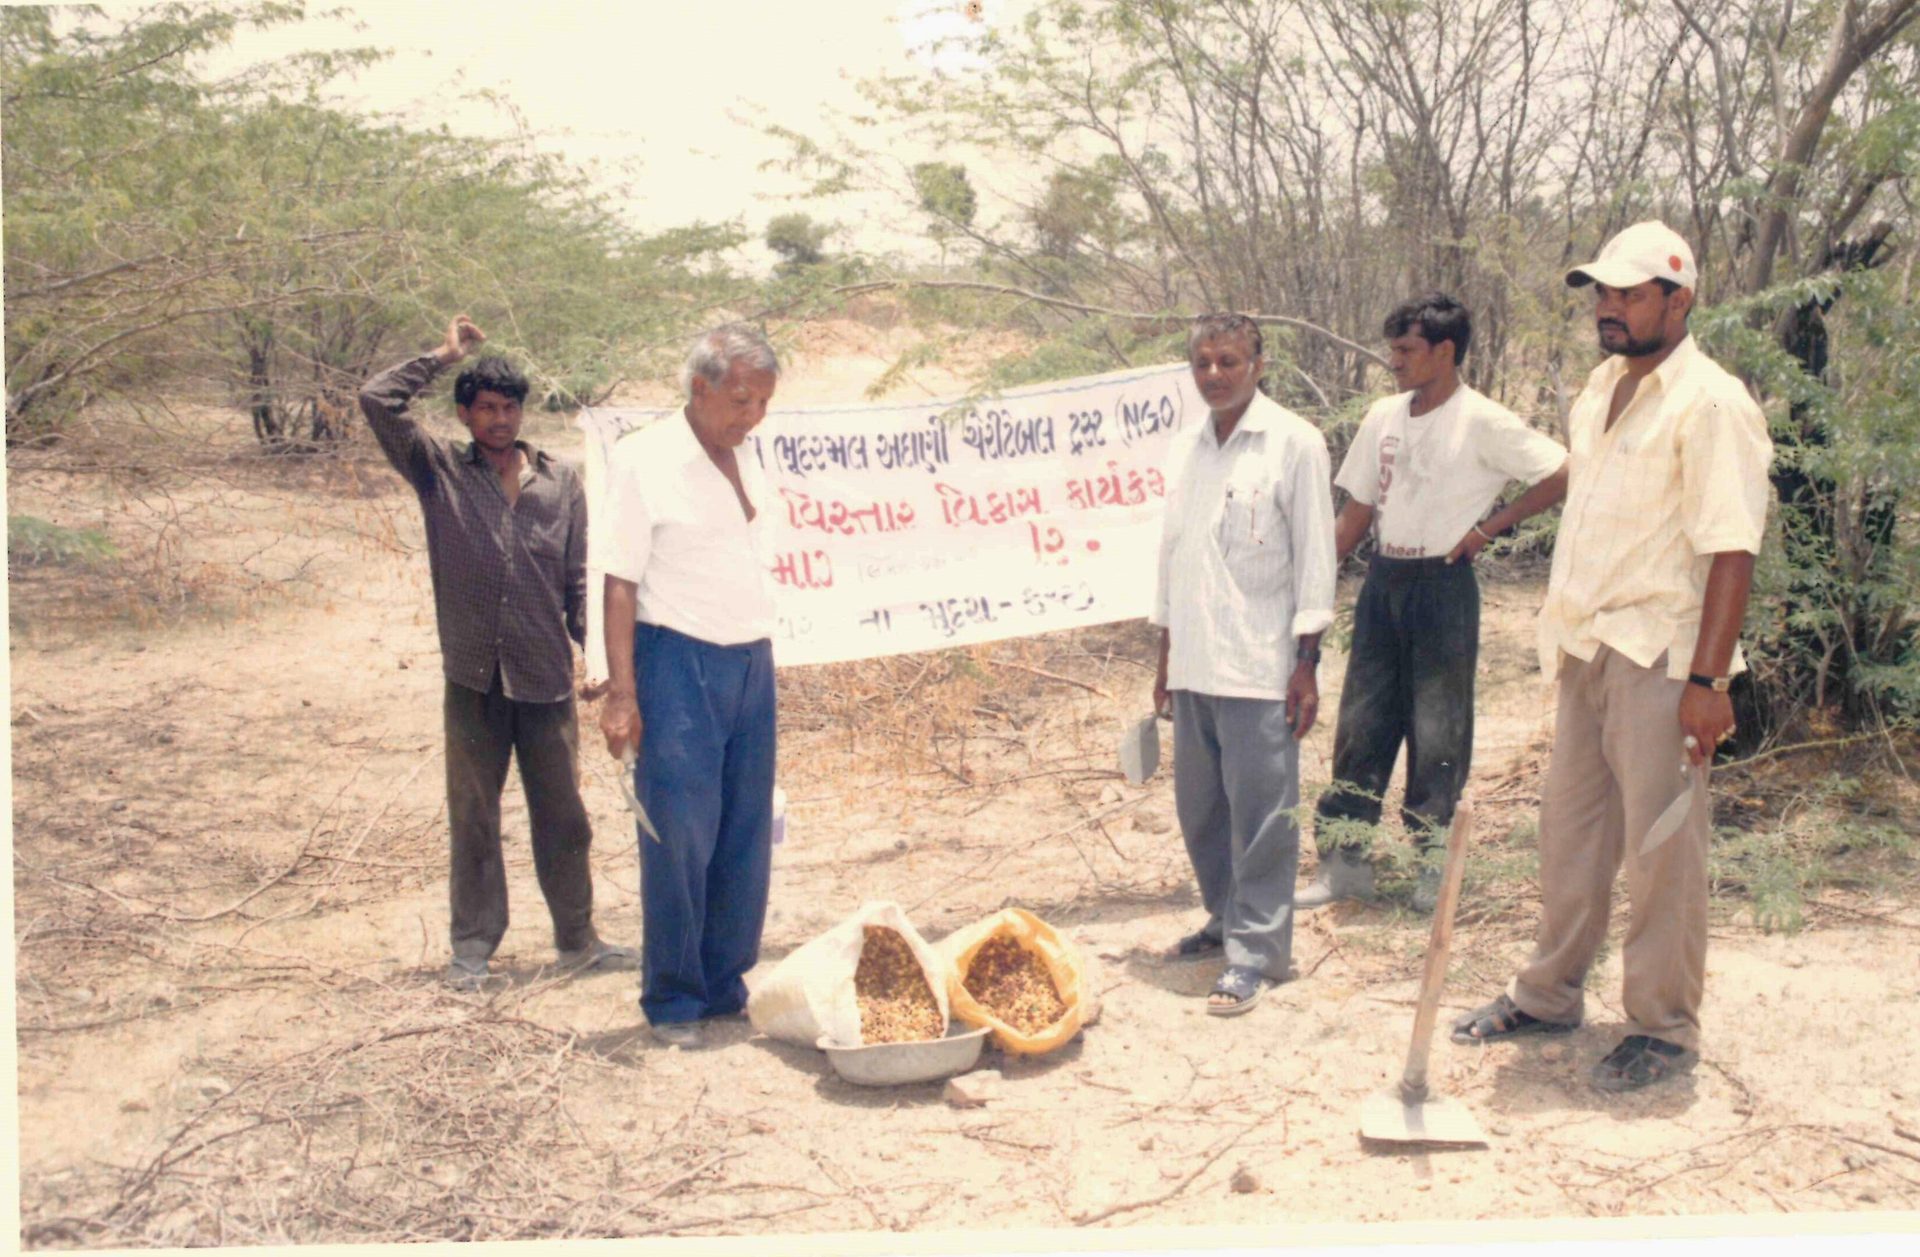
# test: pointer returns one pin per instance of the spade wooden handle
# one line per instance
(1413, 1084)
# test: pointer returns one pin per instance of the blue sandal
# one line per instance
(1244, 986)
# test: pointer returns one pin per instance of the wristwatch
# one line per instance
(1307, 656)
(1719, 685)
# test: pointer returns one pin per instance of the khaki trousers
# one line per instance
(1616, 766)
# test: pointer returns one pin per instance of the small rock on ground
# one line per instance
(970, 1091)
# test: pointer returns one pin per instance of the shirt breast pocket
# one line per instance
(1641, 478)
(545, 539)
(1248, 531)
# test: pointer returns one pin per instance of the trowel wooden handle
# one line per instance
(1413, 1084)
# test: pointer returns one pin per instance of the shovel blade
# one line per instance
(1140, 751)
(1386, 1118)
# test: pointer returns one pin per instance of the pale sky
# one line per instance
(671, 90)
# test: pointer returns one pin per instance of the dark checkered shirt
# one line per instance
(509, 582)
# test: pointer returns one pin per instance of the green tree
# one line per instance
(1313, 163)
(798, 239)
(163, 227)
(947, 197)
(112, 233)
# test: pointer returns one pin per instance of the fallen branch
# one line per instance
(1876, 917)
(730, 1220)
(1081, 307)
(353, 849)
(298, 856)
(1051, 676)
(987, 865)
(1206, 1163)
(1880, 1147)
(1796, 748)
(1324, 956)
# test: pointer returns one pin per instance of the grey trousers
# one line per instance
(483, 730)
(1236, 791)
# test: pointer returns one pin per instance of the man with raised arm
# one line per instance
(507, 546)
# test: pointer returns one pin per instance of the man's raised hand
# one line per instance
(462, 337)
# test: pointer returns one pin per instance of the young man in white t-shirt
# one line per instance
(1424, 468)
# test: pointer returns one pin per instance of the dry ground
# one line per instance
(230, 920)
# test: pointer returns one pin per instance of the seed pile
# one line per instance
(1013, 984)
(896, 1004)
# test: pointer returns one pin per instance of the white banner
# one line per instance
(895, 532)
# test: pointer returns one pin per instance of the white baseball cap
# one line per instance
(1644, 251)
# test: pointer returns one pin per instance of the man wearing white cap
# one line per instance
(1664, 514)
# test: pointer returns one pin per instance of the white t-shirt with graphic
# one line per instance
(1431, 478)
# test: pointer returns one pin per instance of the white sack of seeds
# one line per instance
(810, 993)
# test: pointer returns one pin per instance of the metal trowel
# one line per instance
(1140, 750)
(1411, 1114)
(627, 762)
(1668, 822)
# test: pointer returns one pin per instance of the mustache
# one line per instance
(1613, 323)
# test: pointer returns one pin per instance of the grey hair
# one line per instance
(716, 350)
(1208, 326)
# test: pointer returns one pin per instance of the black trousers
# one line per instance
(482, 731)
(1416, 642)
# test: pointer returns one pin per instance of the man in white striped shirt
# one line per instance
(1665, 512)
(1244, 590)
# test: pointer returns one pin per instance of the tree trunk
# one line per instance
(1852, 43)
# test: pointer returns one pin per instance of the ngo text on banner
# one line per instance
(901, 527)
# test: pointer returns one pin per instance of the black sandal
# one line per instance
(1242, 985)
(1503, 1019)
(1640, 1061)
(1196, 946)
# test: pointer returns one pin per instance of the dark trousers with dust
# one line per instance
(483, 730)
(1236, 786)
(1416, 642)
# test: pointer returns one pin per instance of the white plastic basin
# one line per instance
(892, 1064)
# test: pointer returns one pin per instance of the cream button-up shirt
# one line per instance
(1246, 552)
(1680, 477)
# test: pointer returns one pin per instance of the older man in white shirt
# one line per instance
(689, 627)
(1244, 590)
(1665, 512)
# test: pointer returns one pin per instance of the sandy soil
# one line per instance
(230, 922)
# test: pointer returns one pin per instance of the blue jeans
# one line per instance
(705, 777)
